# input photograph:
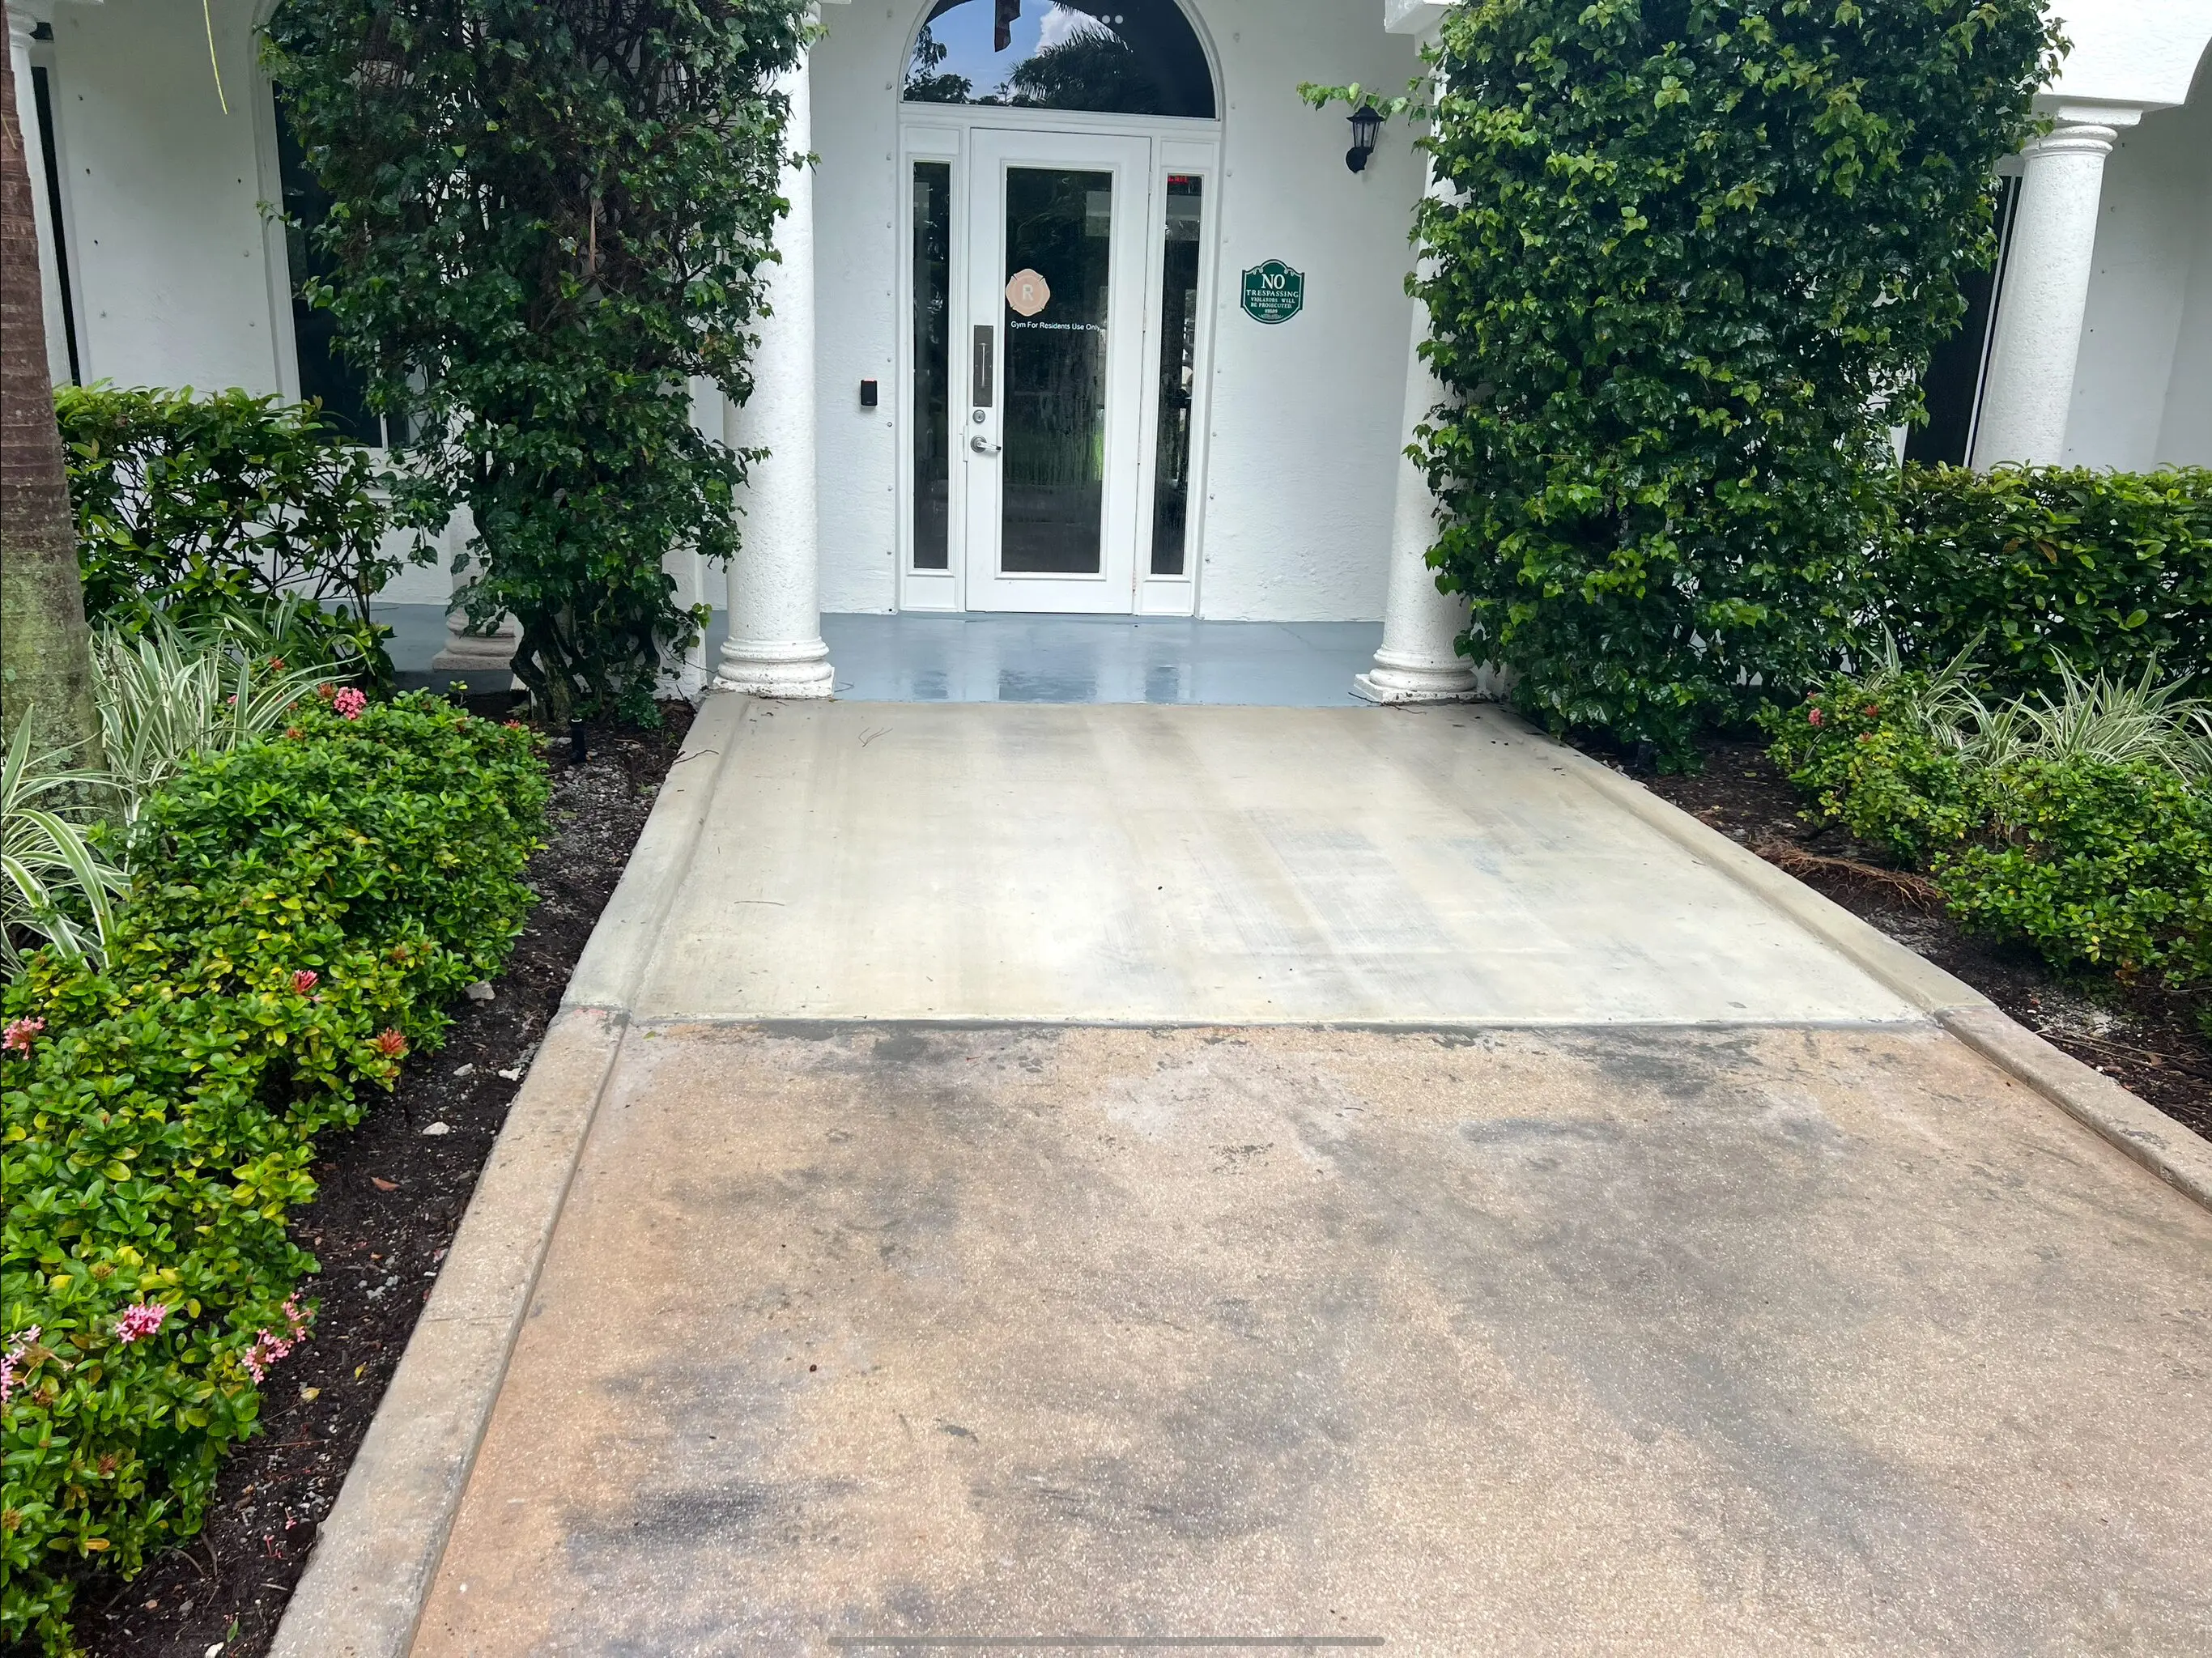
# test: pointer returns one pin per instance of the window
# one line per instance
(325, 376)
(1126, 57)
(1953, 384)
(42, 94)
(1178, 369)
(932, 361)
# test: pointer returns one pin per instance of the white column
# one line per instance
(2030, 389)
(775, 647)
(21, 22)
(1418, 661)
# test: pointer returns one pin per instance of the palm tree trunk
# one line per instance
(45, 651)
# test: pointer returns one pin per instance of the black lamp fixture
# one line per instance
(1367, 127)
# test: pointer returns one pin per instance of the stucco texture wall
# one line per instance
(169, 252)
(2143, 385)
(1305, 415)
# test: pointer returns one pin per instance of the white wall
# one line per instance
(168, 252)
(2153, 217)
(2185, 436)
(1304, 414)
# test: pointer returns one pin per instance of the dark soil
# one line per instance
(2141, 1035)
(391, 1196)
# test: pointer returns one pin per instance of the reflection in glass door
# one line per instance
(1059, 224)
(1054, 377)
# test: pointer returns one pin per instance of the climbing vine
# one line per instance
(548, 218)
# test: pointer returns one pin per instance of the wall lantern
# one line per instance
(1367, 127)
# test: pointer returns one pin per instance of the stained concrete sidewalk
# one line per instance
(1195, 1174)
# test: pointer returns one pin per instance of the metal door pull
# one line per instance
(982, 445)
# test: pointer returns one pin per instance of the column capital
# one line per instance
(2079, 138)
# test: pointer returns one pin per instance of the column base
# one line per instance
(792, 672)
(468, 651)
(1395, 678)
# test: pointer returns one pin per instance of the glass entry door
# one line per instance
(1048, 415)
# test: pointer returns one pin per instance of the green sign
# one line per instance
(1273, 292)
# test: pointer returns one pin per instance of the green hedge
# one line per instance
(308, 906)
(2095, 864)
(2106, 569)
(206, 506)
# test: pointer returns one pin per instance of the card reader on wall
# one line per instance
(867, 394)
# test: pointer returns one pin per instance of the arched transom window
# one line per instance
(1126, 57)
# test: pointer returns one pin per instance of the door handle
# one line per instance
(982, 445)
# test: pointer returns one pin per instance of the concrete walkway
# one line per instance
(1258, 1175)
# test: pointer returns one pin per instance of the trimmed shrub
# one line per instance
(2100, 864)
(2030, 567)
(1882, 773)
(215, 507)
(308, 905)
(1691, 263)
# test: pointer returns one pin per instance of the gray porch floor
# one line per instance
(1043, 659)
(1097, 658)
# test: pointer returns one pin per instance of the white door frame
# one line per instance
(950, 134)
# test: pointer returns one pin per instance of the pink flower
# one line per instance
(14, 1356)
(350, 701)
(139, 1322)
(269, 1348)
(1814, 717)
(19, 1033)
(305, 981)
(390, 1044)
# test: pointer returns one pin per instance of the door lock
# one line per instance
(982, 445)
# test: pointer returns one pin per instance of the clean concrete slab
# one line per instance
(1762, 1340)
(1230, 865)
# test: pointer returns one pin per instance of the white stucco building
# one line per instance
(1151, 355)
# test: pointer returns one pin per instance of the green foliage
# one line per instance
(1889, 778)
(2080, 824)
(2096, 864)
(56, 879)
(305, 906)
(201, 509)
(547, 219)
(165, 695)
(1691, 261)
(2104, 572)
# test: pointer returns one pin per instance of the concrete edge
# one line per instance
(2139, 1129)
(379, 1550)
(622, 945)
(2180, 1157)
(1911, 976)
(369, 1576)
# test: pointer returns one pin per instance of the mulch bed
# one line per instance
(391, 1196)
(2141, 1035)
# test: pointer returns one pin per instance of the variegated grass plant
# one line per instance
(165, 694)
(56, 883)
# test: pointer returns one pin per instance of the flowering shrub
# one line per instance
(1870, 762)
(306, 905)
